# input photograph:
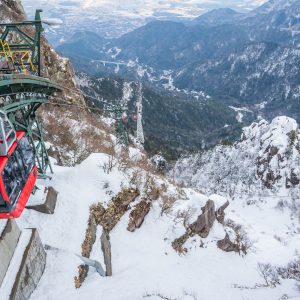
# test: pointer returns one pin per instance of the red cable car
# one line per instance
(18, 172)
(124, 117)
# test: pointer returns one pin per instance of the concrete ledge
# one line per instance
(48, 207)
(8, 242)
(31, 269)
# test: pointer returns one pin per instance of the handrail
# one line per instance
(3, 45)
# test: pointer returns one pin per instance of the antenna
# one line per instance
(139, 105)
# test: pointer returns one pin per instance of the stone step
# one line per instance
(9, 237)
(44, 202)
(25, 268)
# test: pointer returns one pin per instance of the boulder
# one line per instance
(227, 245)
(201, 227)
(205, 221)
(48, 207)
(178, 243)
(117, 208)
(31, 269)
(83, 272)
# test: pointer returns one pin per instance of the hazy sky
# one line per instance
(113, 18)
(144, 8)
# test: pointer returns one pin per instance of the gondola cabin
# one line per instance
(18, 172)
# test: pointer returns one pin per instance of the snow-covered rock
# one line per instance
(266, 159)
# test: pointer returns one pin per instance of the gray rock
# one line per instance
(138, 215)
(220, 213)
(205, 221)
(227, 245)
(49, 206)
(106, 249)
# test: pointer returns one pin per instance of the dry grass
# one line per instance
(75, 134)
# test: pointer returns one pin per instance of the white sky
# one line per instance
(143, 8)
(113, 18)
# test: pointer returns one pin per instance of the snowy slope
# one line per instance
(145, 266)
(265, 161)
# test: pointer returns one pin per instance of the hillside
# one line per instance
(172, 123)
(144, 263)
(264, 162)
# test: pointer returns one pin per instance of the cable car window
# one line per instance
(17, 169)
(21, 164)
(12, 178)
(27, 153)
(2, 202)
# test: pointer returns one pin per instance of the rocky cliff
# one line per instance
(265, 160)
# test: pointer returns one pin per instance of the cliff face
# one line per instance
(57, 68)
(11, 10)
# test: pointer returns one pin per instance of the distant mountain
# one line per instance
(218, 17)
(260, 72)
(247, 60)
(169, 45)
(112, 19)
(87, 44)
(276, 21)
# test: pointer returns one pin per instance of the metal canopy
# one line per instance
(12, 83)
(22, 89)
(20, 46)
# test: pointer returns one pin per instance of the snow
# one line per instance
(14, 265)
(144, 263)
(239, 111)
(269, 216)
(234, 170)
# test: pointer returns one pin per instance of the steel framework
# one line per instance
(22, 89)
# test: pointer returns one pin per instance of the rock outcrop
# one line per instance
(117, 208)
(138, 214)
(220, 213)
(9, 238)
(11, 10)
(106, 249)
(227, 245)
(108, 219)
(202, 225)
(205, 221)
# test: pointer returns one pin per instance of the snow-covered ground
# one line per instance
(145, 266)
